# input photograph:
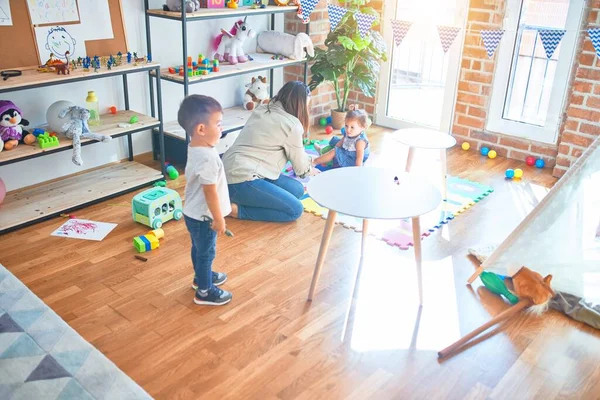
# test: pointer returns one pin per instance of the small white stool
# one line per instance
(420, 138)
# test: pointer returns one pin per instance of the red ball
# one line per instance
(328, 130)
(530, 161)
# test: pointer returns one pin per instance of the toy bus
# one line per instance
(154, 207)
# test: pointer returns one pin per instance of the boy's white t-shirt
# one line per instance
(204, 167)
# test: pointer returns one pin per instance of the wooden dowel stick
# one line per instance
(506, 314)
(475, 275)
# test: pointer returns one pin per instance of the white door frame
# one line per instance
(453, 57)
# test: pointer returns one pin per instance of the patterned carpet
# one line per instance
(42, 357)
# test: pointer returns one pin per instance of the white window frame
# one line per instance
(549, 132)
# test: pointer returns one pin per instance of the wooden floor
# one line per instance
(371, 341)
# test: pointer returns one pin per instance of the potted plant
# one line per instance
(348, 60)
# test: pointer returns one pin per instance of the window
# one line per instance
(529, 88)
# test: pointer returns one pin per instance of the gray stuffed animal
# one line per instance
(77, 128)
(175, 5)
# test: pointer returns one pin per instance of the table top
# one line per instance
(424, 138)
(370, 192)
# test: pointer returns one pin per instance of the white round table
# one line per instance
(421, 138)
(371, 193)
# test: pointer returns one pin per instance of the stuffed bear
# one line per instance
(256, 94)
(284, 44)
(11, 126)
(175, 5)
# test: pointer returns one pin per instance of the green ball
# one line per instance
(323, 121)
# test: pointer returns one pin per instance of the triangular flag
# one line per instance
(595, 37)
(307, 7)
(336, 13)
(550, 39)
(491, 40)
(447, 35)
(400, 29)
(364, 21)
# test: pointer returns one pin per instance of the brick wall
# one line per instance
(581, 122)
(323, 98)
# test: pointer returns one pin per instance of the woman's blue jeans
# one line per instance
(268, 200)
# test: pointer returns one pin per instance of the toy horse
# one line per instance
(229, 44)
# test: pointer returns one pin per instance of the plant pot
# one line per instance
(338, 119)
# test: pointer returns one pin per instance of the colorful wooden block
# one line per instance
(212, 3)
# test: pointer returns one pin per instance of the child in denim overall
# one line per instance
(353, 148)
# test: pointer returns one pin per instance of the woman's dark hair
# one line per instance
(293, 97)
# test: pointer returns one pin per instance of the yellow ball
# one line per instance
(492, 154)
(466, 146)
(518, 173)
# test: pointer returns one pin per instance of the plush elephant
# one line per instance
(77, 128)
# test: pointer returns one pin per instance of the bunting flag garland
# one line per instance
(447, 35)
(491, 40)
(595, 37)
(400, 29)
(364, 21)
(336, 13)
(550, 39)
(307, 8)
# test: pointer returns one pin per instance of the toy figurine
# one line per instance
(128, 57)
(230, 43)
(119, 58)
(148, 58)
(109, 65)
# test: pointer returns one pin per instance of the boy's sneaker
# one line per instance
(218, 279)
(212, 297)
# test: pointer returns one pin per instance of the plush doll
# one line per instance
(229, 44)
(175, 5)
(256, 94)
(11, 126)
(287, 45)
(76, 127)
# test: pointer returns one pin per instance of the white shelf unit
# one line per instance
(235, 117)
(32, 204)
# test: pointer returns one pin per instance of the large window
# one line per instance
(530, 88)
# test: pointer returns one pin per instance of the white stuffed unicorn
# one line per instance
(229, 44)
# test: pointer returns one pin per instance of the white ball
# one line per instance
(54, 122)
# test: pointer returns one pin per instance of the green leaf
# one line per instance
(338, 56)
(347, 43)
(364, 79)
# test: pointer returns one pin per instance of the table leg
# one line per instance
(409, 159)
(365, 233)
(416, 226)
(444, 174)
(322, 251)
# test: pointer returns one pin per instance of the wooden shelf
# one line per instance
(233, 119)
(24, 206)
(213, 13)
(31, 78)
(109, 127)
(260, 62)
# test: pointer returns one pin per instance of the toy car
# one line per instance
(154, 207)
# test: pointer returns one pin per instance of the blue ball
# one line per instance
(343, 130)
(510, 173)
(329, 120)
(539, 163)
(485, 151)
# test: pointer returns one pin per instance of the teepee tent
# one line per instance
(561, 236)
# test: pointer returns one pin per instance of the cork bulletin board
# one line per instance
(19, 48)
